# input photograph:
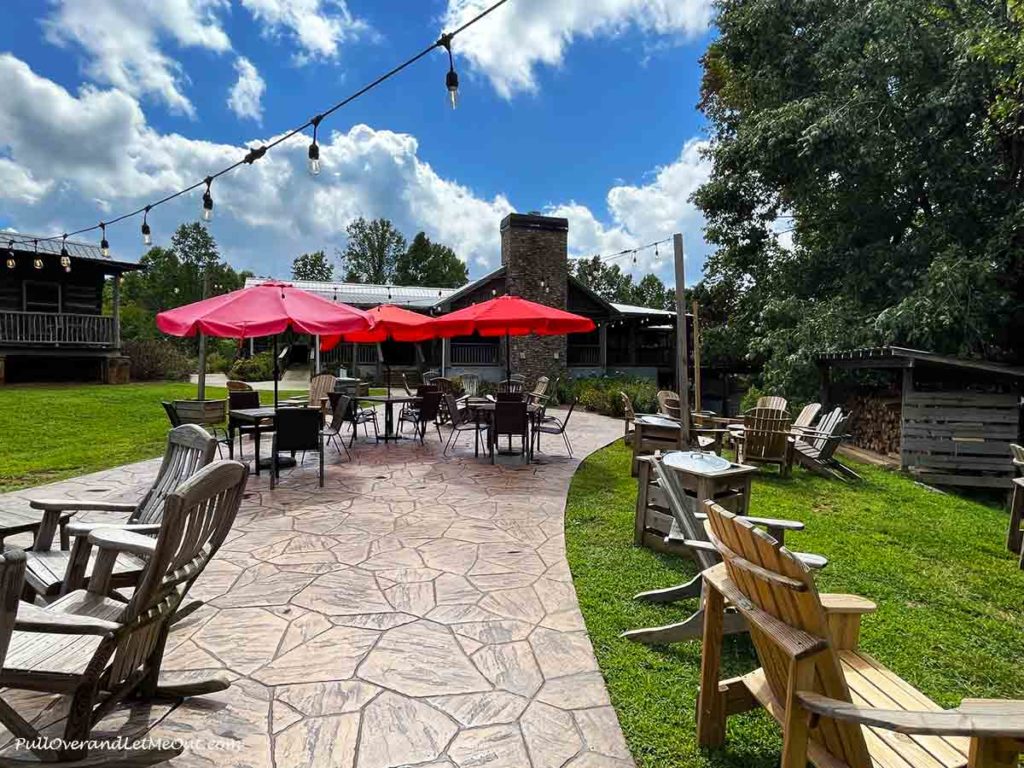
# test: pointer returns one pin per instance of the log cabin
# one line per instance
(52, 321)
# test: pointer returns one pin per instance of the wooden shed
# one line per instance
(955, 417)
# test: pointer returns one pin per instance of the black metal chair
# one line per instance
(359, 415)
(555, 426)
(240, 400)
(298, 429)
(426, 413)
(461, 422)
(339, 415)
(512, 419)
(509, 397)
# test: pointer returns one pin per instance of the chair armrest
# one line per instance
(32, 618)
(975, 717)
(79, 505)
(836, 603)
(122, 541)
(84, 529)
(765, 522)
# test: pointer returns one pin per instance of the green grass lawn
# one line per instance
(51, 432)
(950, 598)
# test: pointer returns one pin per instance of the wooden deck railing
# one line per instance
(474, 354)
(586, 355)
(56, 329)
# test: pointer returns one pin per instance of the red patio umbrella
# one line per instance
(263, 310)
(511, 316)
(391, 324)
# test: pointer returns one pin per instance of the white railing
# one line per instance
(56, 329)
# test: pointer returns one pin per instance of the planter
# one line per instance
(202, 411)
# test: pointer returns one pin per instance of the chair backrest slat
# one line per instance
(1018, 457)
(807, 415)
(12, 581)
(458, 415)
(246, 398)
(430, 404)
(830, 424)
(772, 401)
(510, 386)
(768, 586)
(319, 386)
(470, 384)
(189, 449)
(668, 404)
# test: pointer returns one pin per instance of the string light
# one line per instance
(37, 262)
(147, 233)
(451, 82)
(11, 261)
(104, 244)
(314, 149)
(208, 200)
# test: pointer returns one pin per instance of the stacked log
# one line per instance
(875, 422)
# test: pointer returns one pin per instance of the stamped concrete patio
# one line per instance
(416, 611)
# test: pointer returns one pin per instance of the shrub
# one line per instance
(217, 363)
(256, 368)
(602, 394)
(156, 359)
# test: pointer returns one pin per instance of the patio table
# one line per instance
(389, 402)
(484, 406)
(256, 418)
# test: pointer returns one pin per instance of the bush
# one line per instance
(156, 359)
(217, 363)
(602, 394)
(256, 368)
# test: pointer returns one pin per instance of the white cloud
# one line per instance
(246, 96)
(122, 41)
(508, 45)
(317, 26)
(74, 158)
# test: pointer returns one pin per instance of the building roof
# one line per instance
(366, 295)
(902, 357)
(25, 243)
(632, 309)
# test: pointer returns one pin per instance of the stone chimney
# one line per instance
(534, 252)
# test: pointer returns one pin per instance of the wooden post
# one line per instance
(117, 312)
(682, 367)
(698, 402)
(906, 390)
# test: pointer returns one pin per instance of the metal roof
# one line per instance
(366, 295)
(25, 243)
(632, 309)
(904, 357)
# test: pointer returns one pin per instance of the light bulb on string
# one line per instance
(65, 258)
(208, 200)
(104, 244)
(314, 149)
(147, 233)
(36, 262)
(451, 80)
(11, 261)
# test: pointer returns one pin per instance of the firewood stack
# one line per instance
(876, 423)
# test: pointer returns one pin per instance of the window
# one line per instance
(42, 297)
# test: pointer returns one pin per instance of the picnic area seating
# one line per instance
(50, 572)
(219, 432)
(766, 439)
(663, 501)
(461, 421)
(805, 419)
(428, 411)
(556, 426)
(814, 449)
(98, 650)
(838, 706)
(237, 386)
(332, 430)
(298, 429)
(242, 399)
(1015, 533)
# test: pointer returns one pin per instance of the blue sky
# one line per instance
(577, 108)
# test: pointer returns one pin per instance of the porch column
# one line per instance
(117, 312)
(602, 334)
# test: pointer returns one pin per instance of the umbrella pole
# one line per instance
(277, 374)
(201, 394)
(508, 357)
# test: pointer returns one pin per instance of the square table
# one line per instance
(255, 418)
(486, 406)
(389, 402)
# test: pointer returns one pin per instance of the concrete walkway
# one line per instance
(416, 611)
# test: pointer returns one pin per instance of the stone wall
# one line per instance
(534, 251)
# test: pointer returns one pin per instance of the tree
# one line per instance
(651, 292)
(606, 280)
(888, 139)
(430, 264)
(312, 266)
(373, 250)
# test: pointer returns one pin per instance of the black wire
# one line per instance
(257, 152)
(626, 252)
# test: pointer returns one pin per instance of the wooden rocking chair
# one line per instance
(661, 489)
(766, 439)
(838, 707)
(815, 449)
(51, 572)
(98, 650)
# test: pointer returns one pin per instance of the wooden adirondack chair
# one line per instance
(838, 707)
(806, 417)
(766, 439)
(189, 448)
(815, 449)
(99, 650)
(772, 401)
(661, 488)
(668, 404)
(319, 386)
(1015, 533)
